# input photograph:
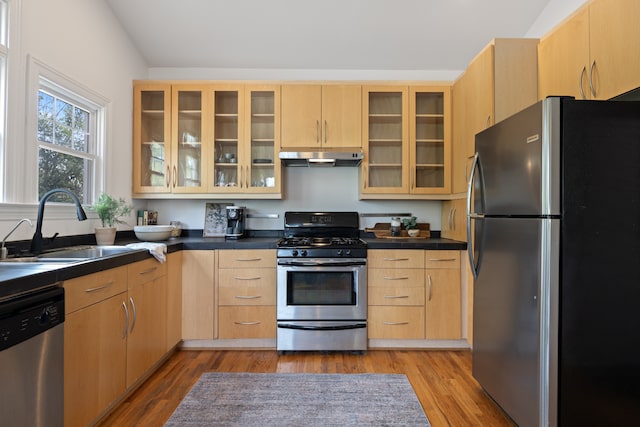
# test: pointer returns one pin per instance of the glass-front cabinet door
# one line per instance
(262, 134)
(189, 139)
(228, 107)
(386, 137)
(151, 138)
(430, 140)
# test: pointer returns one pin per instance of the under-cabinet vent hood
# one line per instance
(321, 158)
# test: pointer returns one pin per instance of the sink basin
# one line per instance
(68, 255)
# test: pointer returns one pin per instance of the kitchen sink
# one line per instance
(68, 255)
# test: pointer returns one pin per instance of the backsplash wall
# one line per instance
(305, 189)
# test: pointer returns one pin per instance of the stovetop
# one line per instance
(321, 235)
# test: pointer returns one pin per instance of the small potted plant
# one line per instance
(110, 211)
(411, 225)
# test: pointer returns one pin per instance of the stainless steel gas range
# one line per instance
(321, 283)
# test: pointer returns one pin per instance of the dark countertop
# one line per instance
(24, 278)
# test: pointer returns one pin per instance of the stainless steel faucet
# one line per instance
(3, 251)
(37, 240)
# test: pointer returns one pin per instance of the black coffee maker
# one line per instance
(235, 222)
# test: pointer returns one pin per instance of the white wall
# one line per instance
(82, 40)
(305, 189)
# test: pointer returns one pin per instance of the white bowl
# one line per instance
(152, 233)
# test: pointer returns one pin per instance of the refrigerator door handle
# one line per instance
(472, 215)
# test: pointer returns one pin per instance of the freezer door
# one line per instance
(520, 162)
(511, 315)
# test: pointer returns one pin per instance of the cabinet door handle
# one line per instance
(247, 323)
(168, 178)
(97, 288)
(248, 296)
(429, 281)
(395, 323)
(126, 320)
(317, 131)
(582, 74)
(135, 314)
(488, 121)
(246, 178)
(396, 296)
(593, 89)
(413, 178)
(365, 173)
(325, 132)
(175, 174)
(396, 259)
(247, 259)
(442, 259)
(151, 270)
(396, 278)
(247, 278)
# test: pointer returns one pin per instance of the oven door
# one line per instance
(322, 289)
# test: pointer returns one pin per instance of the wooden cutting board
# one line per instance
(382, 230)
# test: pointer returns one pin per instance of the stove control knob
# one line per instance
(348, 253)
(294, 252)
(303, 252)
(339, 253)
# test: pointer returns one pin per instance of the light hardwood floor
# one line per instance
(441, 379)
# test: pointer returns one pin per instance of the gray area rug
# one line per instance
(247, 399)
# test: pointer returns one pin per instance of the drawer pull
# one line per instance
(396, 323)
(97, 288)
(248, 296)
(396, 259)
(442, 259)
(247, 323)
(151, 270)
(248, 278)
(396, 296)
(247, 259)
(396, 278)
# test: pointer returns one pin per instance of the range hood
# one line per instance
(321, 158)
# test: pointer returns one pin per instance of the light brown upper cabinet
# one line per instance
(500, 81)
(321, 116)
(206, 139)
(152, 138)
(246, 132)
(592, 54)
(407, 141)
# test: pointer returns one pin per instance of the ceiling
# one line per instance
(320, 35)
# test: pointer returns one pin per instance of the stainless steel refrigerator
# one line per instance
(554, 221)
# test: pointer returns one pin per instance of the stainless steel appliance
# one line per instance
(235, 222)
(321, 283)
(555, 212)
(32, 359)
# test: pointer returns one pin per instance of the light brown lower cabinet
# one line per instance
(95, 343)
(443, 298)
(116, 330)
(246, 294)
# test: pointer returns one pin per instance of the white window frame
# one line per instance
(4, 61)
(40, 76)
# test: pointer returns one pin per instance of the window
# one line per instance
(68, 142)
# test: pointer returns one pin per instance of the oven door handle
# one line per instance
(321, 263)
(322, 328)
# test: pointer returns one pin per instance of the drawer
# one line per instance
(395, 258)
(396, 296)
(92, 288)
(443, 259)
(251, 286)
(396, 322)
(247, 322)
(146, 271)
(400, 277)
(242, 258)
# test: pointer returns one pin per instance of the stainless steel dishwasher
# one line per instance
(32, 359)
